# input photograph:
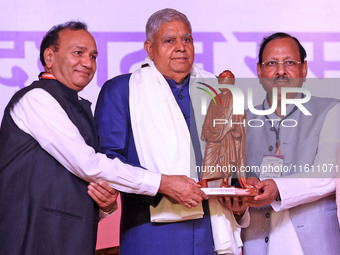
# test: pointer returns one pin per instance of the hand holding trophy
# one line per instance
(225, 145)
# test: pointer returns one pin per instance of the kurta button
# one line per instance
(272, 129)
(80, 110)
(180, 96)
(270, 148)
(267, 215)
(266, 239)
(86, 138)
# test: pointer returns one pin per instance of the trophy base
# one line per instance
(230, 192)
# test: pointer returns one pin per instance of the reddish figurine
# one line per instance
(225, 143)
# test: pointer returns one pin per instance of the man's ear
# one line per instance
(148, 48)
(304, 69)
(49, 58)
(259, 71)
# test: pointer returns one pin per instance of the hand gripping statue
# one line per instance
(225, 143)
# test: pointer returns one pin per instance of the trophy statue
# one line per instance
(225, 145)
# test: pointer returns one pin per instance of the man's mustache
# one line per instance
(281, 79)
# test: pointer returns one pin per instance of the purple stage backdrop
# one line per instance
(226, 34)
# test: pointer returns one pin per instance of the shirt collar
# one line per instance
(183, 84)
(289, 107)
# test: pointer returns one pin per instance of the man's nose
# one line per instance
(86, 61)
(281, 70)
(180, 45)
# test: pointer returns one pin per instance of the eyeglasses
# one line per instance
(273, 64)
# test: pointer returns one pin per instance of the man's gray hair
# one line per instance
(165, 15)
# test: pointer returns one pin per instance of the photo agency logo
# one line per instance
(231, 101)
(213, 90)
